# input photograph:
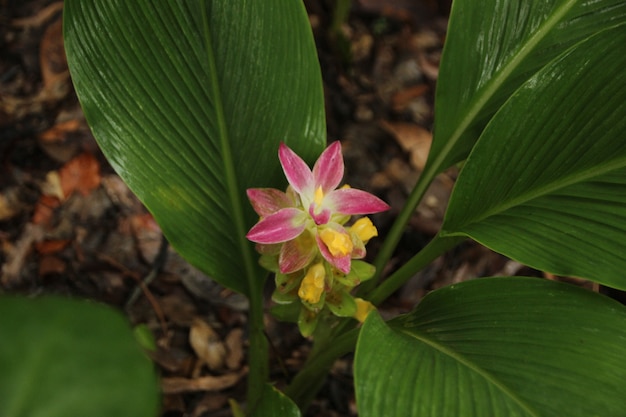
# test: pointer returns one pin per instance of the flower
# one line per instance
(313, 209)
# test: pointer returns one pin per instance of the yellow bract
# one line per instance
(364, 229)
(363, 308)
(319, 196)
(338, 244)
(312, 284)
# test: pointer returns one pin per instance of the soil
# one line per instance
(70, 226)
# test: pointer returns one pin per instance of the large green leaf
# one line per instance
(491, 48)
(61, 357)
(189, 101)
(553, 193)
(275, 403)
(496, 347)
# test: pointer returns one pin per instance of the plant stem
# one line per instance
(309, 380)
(311, 377)
(394, 235)
(430, 252)
(258, 351)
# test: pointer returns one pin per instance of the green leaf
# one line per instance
(491, 48)
(62, 357)
(189, 101)
(496, 347)
(553, 194)
(341, 304)
(275, 403)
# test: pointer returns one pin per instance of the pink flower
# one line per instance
(308, 219)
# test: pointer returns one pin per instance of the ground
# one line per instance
(69, 225)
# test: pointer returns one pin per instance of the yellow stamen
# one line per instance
(364, 229)
(319, 196)
(363, 308)
(338, 244)
(312, 284)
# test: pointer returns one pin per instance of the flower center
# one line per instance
(319, 196)
(338, 244)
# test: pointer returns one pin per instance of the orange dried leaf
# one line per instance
(403, 98)
(81, 174)
(45, 209)
(47, 247)
(50, 264)
(60, 131)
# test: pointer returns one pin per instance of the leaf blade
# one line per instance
(536, 349)
(275, 403)
(173, 113)
(551, 196)
(89, 347)
(491, 49)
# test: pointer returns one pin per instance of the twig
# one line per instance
(157, 264)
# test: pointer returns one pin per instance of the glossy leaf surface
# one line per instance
(496, 347)
(275, 403)
(491, 48)
(62, 357)
(189, 101)
(553, 194)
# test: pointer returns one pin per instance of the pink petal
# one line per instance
(342, 263)
(352, 201)
(297, 253)
(296, 170)
(266, 201)
(279, 227)
(328, 170)
(320, 218)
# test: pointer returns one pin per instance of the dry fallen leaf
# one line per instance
(147, 234)
(413, 139)
(51, 264)
(54, 69)
(401, 99)
(10, 204)
(52, 185)
(11, 269)
(175, 385)
(41, 17)
(207, 344)
(81, 174)
(234, 344)
(47, 247)
(44, 209)
(60, 141)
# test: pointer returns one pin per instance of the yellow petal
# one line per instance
(363, 308)
(338, 244)
(364, 229)
(312, 285)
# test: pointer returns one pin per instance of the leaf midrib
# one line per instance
(232, 184)
(560, 183)
(493, 85)
(473, 367)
